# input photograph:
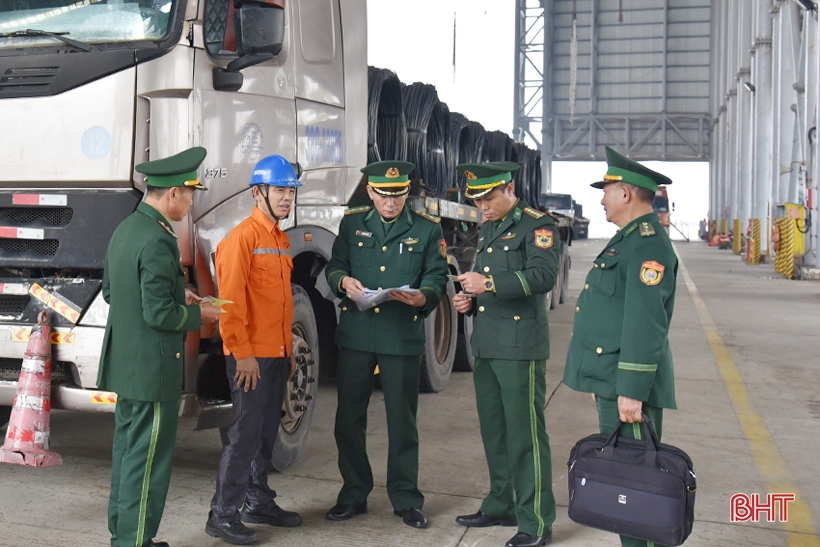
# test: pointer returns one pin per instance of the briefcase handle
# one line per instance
(650, 438)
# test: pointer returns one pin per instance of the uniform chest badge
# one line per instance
(410, 240)
(363, 233)
(167, 229)
(442, 248)
(508, 235)
(651, 273)
(543, 239)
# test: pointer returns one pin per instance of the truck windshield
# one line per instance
(661, 204)
(556, 201)
(88, 21)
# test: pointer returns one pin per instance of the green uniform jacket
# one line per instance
(620, 336)
(413, 253)
(521, 254)
(142, 355)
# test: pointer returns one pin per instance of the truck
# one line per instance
(89, 90)
(580, 224)
(661, 206)
(561, 207)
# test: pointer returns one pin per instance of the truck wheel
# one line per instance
(552, 297)
(300, 396)
(464, 351)
(562, 294)
(5, 413)
(441, 332)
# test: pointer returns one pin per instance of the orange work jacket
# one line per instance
(253, 269)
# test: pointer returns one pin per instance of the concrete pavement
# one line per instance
(767, 329)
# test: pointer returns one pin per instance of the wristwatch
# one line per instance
(489, 284)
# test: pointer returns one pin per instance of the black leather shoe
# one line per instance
(271, 514)
(340, 511)
(482, 520)
(412, 517)
(526, 540)
(232, 532)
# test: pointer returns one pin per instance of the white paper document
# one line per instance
(370, 298)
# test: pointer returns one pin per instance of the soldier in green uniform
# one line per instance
(516, 266)
(142, 355)
(380, 248)
(619, 350)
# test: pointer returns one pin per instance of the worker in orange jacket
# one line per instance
(253, 270)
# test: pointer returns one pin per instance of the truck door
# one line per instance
(238, 128)
(320, 101)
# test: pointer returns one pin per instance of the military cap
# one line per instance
(483, 178)
(623, 169)
(389, 178)
(177, 170)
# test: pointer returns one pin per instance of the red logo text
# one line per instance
(753, 508)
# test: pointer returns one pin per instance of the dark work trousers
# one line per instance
(248, 440)
(400, 386)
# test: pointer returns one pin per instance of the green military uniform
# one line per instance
(142, 355)
(620, 344)
(511, 346)
(407, 250)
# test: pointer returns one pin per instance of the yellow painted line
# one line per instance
(770, 463)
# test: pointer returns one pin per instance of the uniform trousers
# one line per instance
(249, 439)
(144, 438)
(510, 396)
(399, 375)
(608, 418)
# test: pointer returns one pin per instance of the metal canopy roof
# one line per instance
(641, 75)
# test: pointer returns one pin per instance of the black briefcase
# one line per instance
(637, 488)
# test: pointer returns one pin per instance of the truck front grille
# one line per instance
(10, 370)
(13, 304)
(44, 247)
(47, 216)
(28, 78)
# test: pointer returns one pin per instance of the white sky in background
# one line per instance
(415, 40)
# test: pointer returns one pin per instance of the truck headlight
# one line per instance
(97, 313)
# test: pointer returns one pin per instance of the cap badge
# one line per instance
(470, 175)
(392, 173)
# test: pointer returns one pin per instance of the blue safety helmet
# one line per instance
(274, 171)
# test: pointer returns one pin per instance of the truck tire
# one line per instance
(464, 360)
(441, 333)
(563, 293)
(5, 414)
(300, 396)
(552, 296)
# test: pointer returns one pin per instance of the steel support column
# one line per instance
(762, 73)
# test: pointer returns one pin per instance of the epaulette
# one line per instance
(647, 229)
(356, 210)
(167, 229)
(428, 216)
(534, 213)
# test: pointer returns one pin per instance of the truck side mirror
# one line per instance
(260, 34)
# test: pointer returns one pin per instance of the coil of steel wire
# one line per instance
(427, 120)
(499, 146)
(528, 178)
(386, 130)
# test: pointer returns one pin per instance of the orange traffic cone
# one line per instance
(27, 437)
